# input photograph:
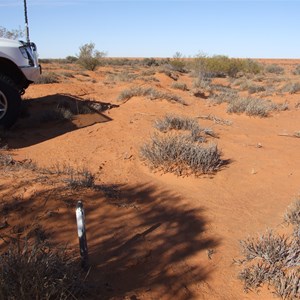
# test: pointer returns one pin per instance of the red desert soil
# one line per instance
(151, 235)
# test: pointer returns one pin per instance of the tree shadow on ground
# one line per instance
(147, 245)
(142, 239)
(47, 117)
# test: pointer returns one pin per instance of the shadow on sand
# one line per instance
(142, 239)
(51, 116)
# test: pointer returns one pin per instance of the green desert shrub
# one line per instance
(178, 63)
(89, 58)
(221, 65)
(71, 59)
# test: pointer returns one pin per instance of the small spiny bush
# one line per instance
(35, 270)
(275, 69)
(274, 260)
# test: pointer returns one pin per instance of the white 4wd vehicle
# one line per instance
(18, 68)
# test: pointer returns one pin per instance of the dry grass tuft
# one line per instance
(254, 107)
(180, 152)
(292, 215)
(48, 78)
(151, 93)
(270, 247)
(179, 86)
(274, 259)
(38, 271)
(80, 179)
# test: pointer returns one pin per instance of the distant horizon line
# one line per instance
(171, 57)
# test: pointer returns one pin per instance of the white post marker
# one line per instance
(80, 217)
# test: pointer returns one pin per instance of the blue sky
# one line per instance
(153, 28)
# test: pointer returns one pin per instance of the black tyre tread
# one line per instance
(8, 81)
(14, 102)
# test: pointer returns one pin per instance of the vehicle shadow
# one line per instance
(47, 117)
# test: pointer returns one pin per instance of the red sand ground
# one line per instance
(150, 234)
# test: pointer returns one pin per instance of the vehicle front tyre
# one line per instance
(10, 102)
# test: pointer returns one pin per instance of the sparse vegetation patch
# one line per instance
(47, 78)
(273, 259)
(254, 107)
(297, 70)
(179, 86)
(275, 69)
(151, 93)
(89, 57)
(31, 270)
(221, 66)
(181, 153)
(291, 88)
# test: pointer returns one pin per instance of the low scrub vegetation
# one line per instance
(170, 122)
(121, 77)
(272, 259)
(181, 153)
(178, 63)
(151, 93)
(297, 70)
(252, 89)
(249, 106)
(221, 66)
(179, 86)
(8, 163)
(291, 88)
(89, 57)
(47, 78)
(80, 179)
(275, 69)
(254, 107)
(35, 270)
(224, 97)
